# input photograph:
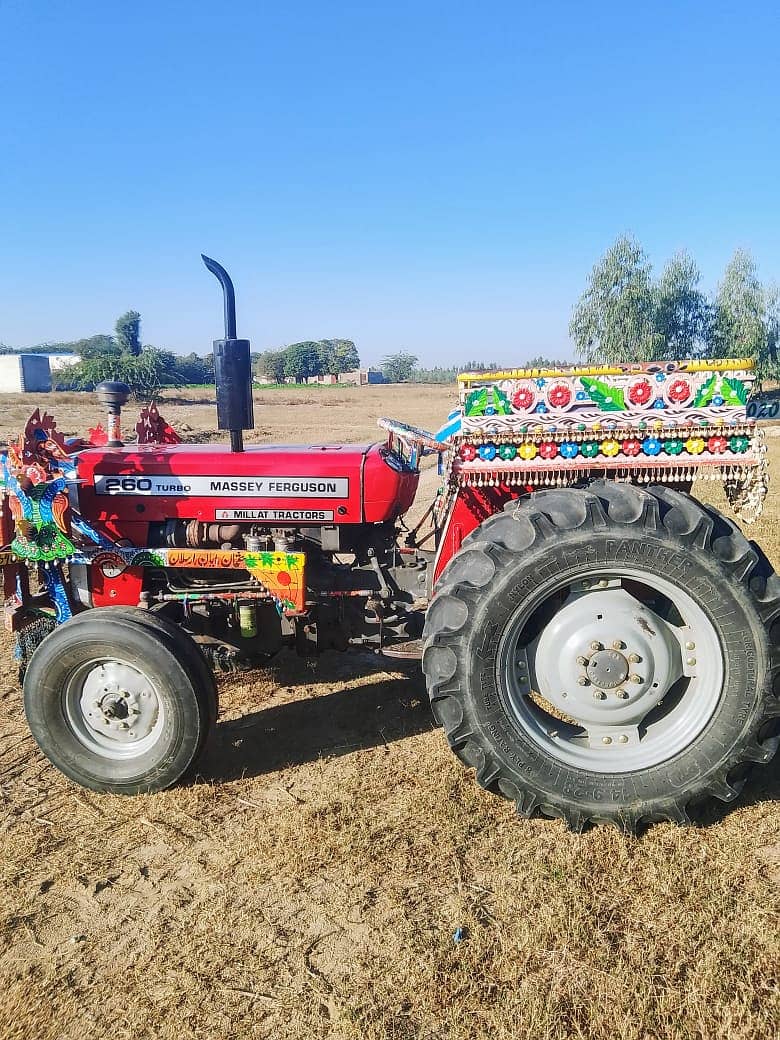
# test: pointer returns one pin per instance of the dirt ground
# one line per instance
(312, 880)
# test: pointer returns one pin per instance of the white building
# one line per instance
(24, 373)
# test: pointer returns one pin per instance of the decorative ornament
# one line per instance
(640, 392)
(523, 398)
(679, 391)
(717, 444)
(559, 395)
(739, 445)
(695, 445)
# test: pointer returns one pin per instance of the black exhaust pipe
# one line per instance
(232, 368)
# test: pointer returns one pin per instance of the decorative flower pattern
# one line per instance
(717, 445)
(570, 449)
(523, 398)
(467, 452)
(679, 391)
(631, 447)
(527, 450)
(559, 395)
(590, 449)
(507, 452)
(695, 445)
(487, 452)
(651, 446)
(548, 449)
(640, 391)
(610, 447)
(673, 446)
(739, 444)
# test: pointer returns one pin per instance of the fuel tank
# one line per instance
(278, 485)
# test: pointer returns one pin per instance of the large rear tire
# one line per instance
(607, 654)
(116, 704)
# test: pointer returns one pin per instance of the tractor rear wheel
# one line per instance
(116, 704)
(607, 654)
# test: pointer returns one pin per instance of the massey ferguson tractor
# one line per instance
(598, 645)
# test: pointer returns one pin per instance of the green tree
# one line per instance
(269, 366)
(398, 368)
(747, 317)
(683, 316)
(614, 318)
(740, 310)
(194, 369)
(95, 346)
(769, 365)
(145, 373)
(128, 333)
(337, 356)
(301, 361)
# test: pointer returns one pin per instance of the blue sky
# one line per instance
(435, 177)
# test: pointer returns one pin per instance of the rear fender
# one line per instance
(470, 506)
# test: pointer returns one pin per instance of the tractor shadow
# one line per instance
(333, 724)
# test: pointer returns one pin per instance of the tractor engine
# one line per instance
(336, 505)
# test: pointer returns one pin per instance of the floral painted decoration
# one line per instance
(559, 395)
(640, 391)
(679, 391)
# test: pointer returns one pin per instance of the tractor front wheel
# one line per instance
(116, 704)
(607, 654)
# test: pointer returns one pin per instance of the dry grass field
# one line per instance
(310, 881)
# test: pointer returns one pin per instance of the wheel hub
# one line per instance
(607, 669)
(115, 705)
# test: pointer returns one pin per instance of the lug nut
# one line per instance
(691, 661)
(599, 695)
(622, 694)
(634, 658)
(606, 740)
(690, 646)
(635, 678)
(618, 645)
(582, 681)
(623, 739)
(582, 660)
(596, 646)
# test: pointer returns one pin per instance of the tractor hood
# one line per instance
(273, 484)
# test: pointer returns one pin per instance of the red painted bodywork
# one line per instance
(375, 491)
(469, 508)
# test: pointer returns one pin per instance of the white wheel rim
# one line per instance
(113, 709)
(638, 685)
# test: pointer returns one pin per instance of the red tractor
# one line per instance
(597, 644)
